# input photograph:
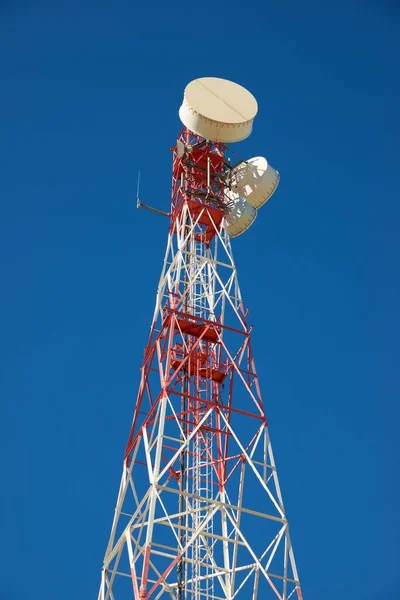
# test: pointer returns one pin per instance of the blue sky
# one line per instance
(89, 94)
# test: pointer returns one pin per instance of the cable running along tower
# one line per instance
(199, 514)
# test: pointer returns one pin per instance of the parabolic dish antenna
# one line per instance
(240, 214)
(255, 180)
(218, 110)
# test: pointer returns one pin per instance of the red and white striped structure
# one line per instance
(199, 513)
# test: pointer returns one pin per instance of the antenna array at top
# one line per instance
(223, 111)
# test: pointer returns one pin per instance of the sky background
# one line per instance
(89, 94)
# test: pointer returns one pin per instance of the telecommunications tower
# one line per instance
(199, 514)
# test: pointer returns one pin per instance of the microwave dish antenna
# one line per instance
(240, 215)
(255, 180)
(218, 110)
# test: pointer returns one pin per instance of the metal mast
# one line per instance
(199, 514)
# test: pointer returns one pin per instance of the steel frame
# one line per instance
(199, 513)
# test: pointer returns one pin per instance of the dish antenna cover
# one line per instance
(240, 215)
(256, 180)
(218, 110)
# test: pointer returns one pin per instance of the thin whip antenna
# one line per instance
(140, 204)
(137, 190)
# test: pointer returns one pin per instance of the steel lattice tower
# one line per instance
(199, 514)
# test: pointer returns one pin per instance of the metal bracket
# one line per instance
(140, 204)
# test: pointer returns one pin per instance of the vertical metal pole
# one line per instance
(185, 386)
(208, 175)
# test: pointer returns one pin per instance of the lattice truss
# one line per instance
(199, 513)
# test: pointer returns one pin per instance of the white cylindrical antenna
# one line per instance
(218, 110)
(240, 215)
(255, 180)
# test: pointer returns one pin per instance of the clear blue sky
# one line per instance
(89, 93)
